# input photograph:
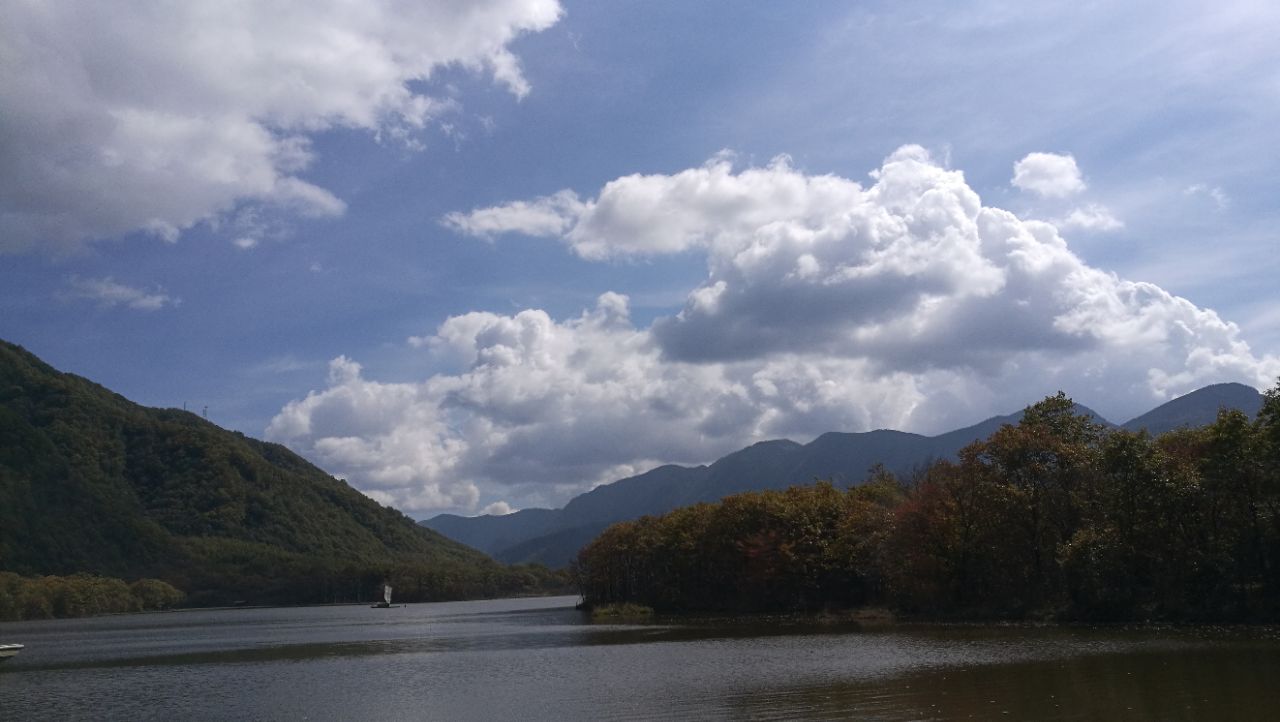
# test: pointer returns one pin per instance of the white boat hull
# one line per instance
(9, 650)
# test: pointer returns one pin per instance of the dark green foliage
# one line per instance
(90, 482)
(80, 595)
(1053, 517)
(803, 548)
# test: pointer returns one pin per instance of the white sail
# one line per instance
(386, 593)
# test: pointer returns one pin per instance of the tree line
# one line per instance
(229, 572)
(1054, 517)
(80, 595)
(310, 582)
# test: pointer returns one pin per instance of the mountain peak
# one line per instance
(1198, 408)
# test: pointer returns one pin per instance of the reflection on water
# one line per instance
(539, 659)
(1204, 684)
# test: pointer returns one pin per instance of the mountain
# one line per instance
(553, 536)
(1198, 408)
(496, 532)
(91, 482)
(559, 533)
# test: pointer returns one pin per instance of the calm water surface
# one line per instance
(534, 659)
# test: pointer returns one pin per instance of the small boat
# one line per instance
(9, 650)
(386, 599)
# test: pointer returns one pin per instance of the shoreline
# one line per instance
(237, 607)
(879, 618)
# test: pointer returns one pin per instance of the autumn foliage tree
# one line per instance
(1055, 516)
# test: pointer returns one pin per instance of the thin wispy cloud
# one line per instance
(1219, 197)
(109, 293)
(1092, 217)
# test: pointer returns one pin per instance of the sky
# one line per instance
(480, 256)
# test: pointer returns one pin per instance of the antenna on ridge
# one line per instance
(205, 413)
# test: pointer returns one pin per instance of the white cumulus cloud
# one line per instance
(548, 216)
(645, 214)
(497, 508)
(1092, 217)
(828, 305)
(1050, 175)
(120, 116)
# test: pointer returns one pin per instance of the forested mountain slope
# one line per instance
(91, 482)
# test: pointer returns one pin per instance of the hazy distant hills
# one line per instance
(553, 536)
(91, 482)
(1198, 408)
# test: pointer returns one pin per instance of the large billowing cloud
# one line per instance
(828, 306)
(121, 116)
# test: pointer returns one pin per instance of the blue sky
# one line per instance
(486, 255)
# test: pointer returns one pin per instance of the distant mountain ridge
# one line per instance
(1198, 408)
(553, 536)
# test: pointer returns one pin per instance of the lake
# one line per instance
(534, 659)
